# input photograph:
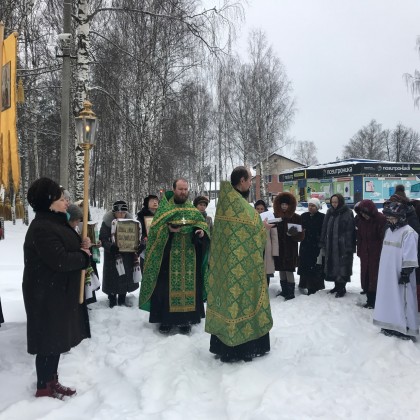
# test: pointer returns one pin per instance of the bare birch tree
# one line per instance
(260, 104)
(403, 145)
(367, 143)
(305, 152)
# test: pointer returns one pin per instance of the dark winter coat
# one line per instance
(338, 238)
(112, 282)
(309, 248)
(140, 217)
(369, 237)
(286, 256)
(56, 321)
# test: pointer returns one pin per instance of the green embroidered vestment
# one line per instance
(182, 281)
(238, 306)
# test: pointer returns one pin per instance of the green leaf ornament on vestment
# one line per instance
(182, 264)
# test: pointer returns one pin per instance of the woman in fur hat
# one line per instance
(338, 239)
(310, 261)
(116, 286)
(285, 252)
(370, 230)
(54, 257)
(201, 202)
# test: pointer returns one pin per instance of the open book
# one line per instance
(269, 215)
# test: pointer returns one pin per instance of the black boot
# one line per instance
(290, 291)
(112, 300)
(312, 291)
(341, 291)
(336, 288)
(123, 302)
(371, 297)
(184, 329)
(165, 329)
(284, 291)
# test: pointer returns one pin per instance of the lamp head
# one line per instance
(86, 126)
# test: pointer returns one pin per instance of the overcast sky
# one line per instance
(346, 60)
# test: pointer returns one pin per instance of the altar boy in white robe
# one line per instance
(396, 300)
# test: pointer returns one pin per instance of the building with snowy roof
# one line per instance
(355, 179)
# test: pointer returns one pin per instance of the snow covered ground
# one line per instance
(327, 361)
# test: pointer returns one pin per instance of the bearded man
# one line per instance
(238, 307)
(175, 265)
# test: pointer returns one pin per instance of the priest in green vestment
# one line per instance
(176, 261)
(238, 308)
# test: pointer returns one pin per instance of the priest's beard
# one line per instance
(245, 194)
(180, 199)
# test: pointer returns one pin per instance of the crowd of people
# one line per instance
(184, 259)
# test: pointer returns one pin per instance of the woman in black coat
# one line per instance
(54, 258)
(338, 239)
(311, 276)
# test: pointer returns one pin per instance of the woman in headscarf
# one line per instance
(338, 241)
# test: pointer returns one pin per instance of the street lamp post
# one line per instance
(86, 125)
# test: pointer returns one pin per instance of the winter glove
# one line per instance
(113, 249)
(405, 275)
(142, 247)
(293, 231)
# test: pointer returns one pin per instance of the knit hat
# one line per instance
(148, 198)
(200, 199)
(315, 202)
(75, 212)
(400, 190)
(42, 193)
(120, 205)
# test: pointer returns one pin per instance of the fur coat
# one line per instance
(285, 251)
(338, 240)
